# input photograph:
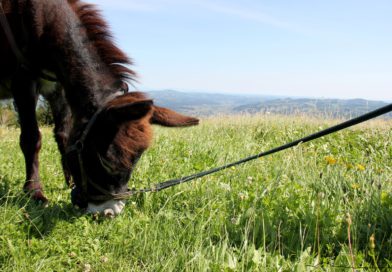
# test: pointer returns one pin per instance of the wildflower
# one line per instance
(361, 167)
(104, 259)
(355, 186)
(330, 160)
(86, 267)
(243, 196)
(250, 180)
(225, 186)
(235, 220)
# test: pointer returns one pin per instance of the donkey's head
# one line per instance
(101, 160)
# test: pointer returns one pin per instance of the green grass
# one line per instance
(293, 211)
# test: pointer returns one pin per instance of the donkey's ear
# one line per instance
(168, 118)
(128, 111)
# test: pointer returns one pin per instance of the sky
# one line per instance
(313, 48)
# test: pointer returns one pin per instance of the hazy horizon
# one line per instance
(257, 94)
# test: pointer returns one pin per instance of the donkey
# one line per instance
(101, 129)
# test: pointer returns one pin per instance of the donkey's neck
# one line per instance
(87, 80)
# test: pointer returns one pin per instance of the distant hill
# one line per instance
(334, 108)
(205, 104)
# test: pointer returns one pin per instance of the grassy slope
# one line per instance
(290, 211)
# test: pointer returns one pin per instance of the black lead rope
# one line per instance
(363, 118)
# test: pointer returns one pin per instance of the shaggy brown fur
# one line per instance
(133, 136)
(99, 34)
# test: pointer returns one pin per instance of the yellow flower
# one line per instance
(361, 167)
(330, 160)
(355, 186)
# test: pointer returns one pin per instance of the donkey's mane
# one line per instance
(99, 34)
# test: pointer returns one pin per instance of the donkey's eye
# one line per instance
(107, 165)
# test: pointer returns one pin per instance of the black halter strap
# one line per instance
(78, 147)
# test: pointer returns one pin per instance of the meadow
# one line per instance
(321, 206)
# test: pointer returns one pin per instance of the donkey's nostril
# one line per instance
(108, 213)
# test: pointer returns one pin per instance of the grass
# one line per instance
(322, 206)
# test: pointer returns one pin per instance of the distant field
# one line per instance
(211, 104)
(322, 206)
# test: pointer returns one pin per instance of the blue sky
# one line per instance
(331, 48)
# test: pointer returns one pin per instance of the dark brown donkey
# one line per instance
(89, 101)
